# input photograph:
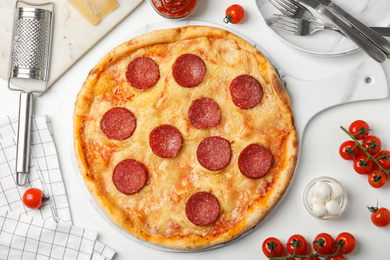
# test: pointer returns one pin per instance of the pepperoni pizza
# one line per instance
(185, 137)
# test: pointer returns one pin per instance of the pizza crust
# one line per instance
(244, 202)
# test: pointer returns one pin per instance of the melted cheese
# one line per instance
(94, 10)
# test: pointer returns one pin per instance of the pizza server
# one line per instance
(29, 70)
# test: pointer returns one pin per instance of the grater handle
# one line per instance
(24, 137)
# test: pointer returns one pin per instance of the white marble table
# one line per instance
(319, 145)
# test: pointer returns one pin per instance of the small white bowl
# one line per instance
(308, 193)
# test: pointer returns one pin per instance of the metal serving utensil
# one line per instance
(365, 44)
(372, 35)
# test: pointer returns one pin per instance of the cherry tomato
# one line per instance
(338, 257)
(323, 243)
(33, 198)
(349, 150)
(377, 178)
(373, 144)
(273, 245)
(380, 217)
(359, 129)
(347, 242)
(234, 14)
(383, 159)
(363, 165)
(300, 242)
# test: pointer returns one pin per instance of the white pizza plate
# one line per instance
(365, 81)
(371, 13)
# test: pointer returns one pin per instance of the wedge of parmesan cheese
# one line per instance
(94, 10)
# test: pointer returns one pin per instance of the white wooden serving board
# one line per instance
(365, 81)
(73, 35)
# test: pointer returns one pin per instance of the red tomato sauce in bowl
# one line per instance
(175, 8)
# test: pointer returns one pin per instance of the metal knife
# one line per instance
(377, 39)
(384, 31)
(371, 49)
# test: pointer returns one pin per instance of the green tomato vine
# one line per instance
(365, 150)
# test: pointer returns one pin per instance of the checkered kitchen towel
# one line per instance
(47, 232)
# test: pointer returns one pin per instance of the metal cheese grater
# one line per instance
(29, 69)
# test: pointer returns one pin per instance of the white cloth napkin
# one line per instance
(47, 232)
(25, 237)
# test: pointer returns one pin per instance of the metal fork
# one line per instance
(366, 44)
(288, 8)
(298, 26)
(296, 19)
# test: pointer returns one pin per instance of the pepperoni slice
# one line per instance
(142, 73)
(202, 208)
(254, 161)
(189, 70)
(204, 113)
(245, 91)
(129, 176)
(165, 141)
(214, 153)
(118, 123)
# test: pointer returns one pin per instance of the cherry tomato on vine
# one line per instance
(273, 245)
(234, 14)
(347, 241)
(380, 216)
(338, 257)
(323, 243)
(300, 243)
(349, 150)
(360, 129)
(363, 165)
(383, 158)
(377, 178)
(33, 198)
(373, 144)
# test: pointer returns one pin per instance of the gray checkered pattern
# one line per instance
(47, 232)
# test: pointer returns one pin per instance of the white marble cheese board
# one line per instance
(73, 35)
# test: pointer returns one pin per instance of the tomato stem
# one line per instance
(339, 245)
(372, 209)
(227, 19)
(272, 245)
(319, 244)
(377, 178)
(365, 150)
(44, 199)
